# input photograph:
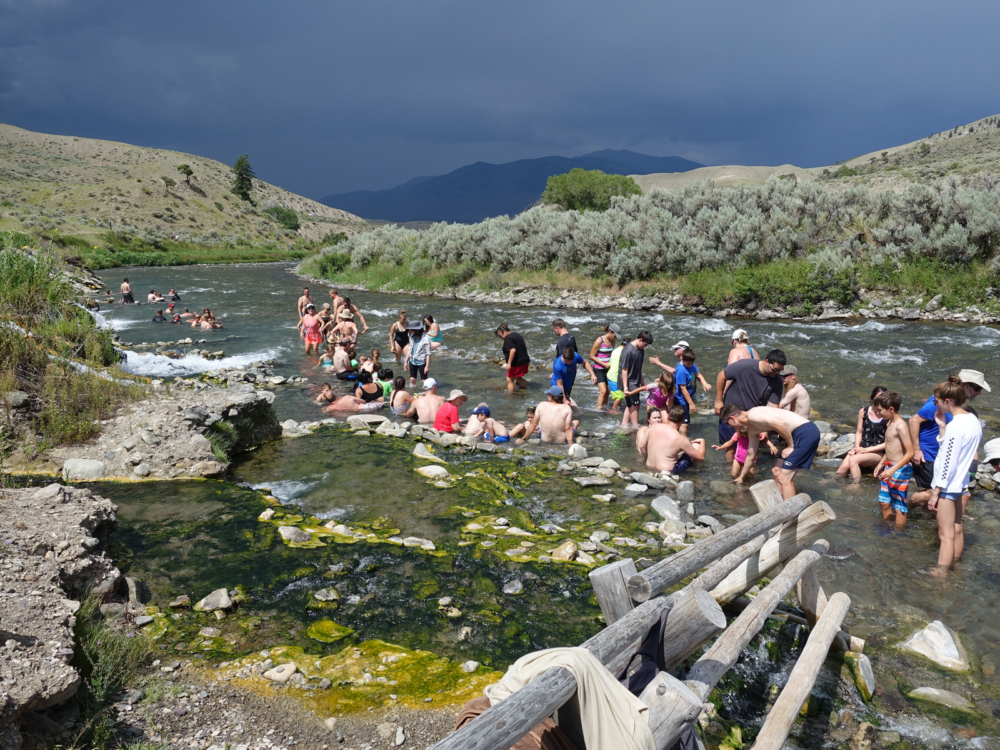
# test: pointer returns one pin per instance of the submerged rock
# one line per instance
(328, 594)
(432, 472)
(218, 599)
(326, 630)
(937, 643)
(685, 491)
(294, 534)
(513, 587)
(945, 698)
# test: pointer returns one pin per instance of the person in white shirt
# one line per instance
(949, 489)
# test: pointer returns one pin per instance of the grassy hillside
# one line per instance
(77, 193)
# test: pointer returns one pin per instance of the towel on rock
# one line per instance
(612, 718)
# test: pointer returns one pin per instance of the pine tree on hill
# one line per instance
(243, 178)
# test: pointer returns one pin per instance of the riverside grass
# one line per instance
(58, 364)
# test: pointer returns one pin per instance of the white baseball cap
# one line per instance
(429, 383)
(681, 345)
(738, 334)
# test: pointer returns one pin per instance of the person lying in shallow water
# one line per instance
(348, 404)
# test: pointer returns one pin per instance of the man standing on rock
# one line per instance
(553, 420)
(426, 406)
(304, 301)
(748, 383)
(515, 355)
(630, 377)
(924, 431)
(800, 435)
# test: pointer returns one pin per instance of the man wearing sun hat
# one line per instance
(924, 432)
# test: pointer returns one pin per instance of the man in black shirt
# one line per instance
(158, 318)
(565, 337)
(630, 376)
(748, 383)
(515, 354)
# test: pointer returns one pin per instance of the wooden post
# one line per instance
(664, 574)
(717, 573)
(792, 537)
(673, 707)
(694, 619)
(720, 658)
(800, 682)
(609, 582)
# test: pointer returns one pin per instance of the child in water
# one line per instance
(489, 429)
(741, 439)
(327, 362)
(894, 470)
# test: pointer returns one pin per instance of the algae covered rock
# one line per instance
(432, 472)
(943, 698)
(326, 630)
(861, 670)
(294, 534)
(937, 643)
(281, 673)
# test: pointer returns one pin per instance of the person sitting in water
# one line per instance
(485, 427)
(108, 299)
(384, 378)
(342, 363)
(553, 419)
(176, 320)
(399, 400)
(667, 448)
(425, 407)
(800, 435)
(327, 361)
(368, 390)
(348, 404)
(446, 419)
(796, 396)
(433, 332)
(173, 296)
(159, 318)
(869, 439)
(215, 323)
(326, 394)
(521, 430)
(653, 416)
(206, 323)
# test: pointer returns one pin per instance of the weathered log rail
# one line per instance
(732, 562)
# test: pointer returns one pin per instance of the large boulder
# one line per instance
(666, 507)
(82, 470)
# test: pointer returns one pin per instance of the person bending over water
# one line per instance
(483, 426)
(667, 448)
(600, 359)
(433, 332)
(894, 470)
(553, 420)
(425, 407)
(564, 372)
(869, 439)
(796, 396)
(399, 400)
(800, 435)
(950, 485)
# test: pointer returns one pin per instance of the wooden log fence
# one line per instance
(732, 562)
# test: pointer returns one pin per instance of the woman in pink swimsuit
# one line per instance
(309, 329)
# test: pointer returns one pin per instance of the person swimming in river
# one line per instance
(173, 296)
(326, 394)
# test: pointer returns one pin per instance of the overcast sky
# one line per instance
(330, 96)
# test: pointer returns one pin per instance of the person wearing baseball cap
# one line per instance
(484, 427)
(425, 406)
(741, 347)
(678, 350)
(796, 396)
(553, 420)
(446, 419)
(600, 359)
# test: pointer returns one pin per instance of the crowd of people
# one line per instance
(759, 401)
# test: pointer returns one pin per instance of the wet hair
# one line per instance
(676, 414)
(666, 382)
(502, 328)
(364, 377)
(776, 357)
(398, 384)
(729, 411)
(650, 413)
(569, 353)
(889, 400)
(687, 355)
(953, 389)
(877, 390)
(645, 336)
(558, 323)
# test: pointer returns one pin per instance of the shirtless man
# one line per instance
(342, 363)
(345, 404)
(127, 298)
(741, 347)
(800, 435)
(346, 304)
(304, 301)
(425, 407)
(555, 418)
(668, 449)
(335, 301)
(346, 329)
(796, 396)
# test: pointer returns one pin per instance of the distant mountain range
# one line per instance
(480, 190)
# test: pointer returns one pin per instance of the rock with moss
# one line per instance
(327, 631)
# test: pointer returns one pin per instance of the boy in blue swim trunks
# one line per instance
(800, 435)
(894, 470)
(483, 426)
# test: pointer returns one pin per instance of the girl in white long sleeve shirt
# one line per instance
(959, 446)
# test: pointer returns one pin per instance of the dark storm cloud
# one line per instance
(333, 96)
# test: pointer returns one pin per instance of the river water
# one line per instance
(189, 537)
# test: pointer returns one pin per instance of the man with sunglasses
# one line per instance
(924, 431)
(748, 383)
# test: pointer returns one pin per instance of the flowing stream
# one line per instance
(193, 537)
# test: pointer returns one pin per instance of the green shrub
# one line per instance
(458, 276)
(421, 266)
(331, 264)
(333, 238)
(587, 190)
(284, 216)
(218, 205)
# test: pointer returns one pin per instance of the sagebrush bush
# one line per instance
(705, 226)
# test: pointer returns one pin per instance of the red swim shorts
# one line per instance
(517, 372)
(313, 338)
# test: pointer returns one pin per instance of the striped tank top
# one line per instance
(603, 355)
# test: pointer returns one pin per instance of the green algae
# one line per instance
(327, 631)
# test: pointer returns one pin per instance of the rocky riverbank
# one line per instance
(868, 305)
(53, 555)
(174, 434)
